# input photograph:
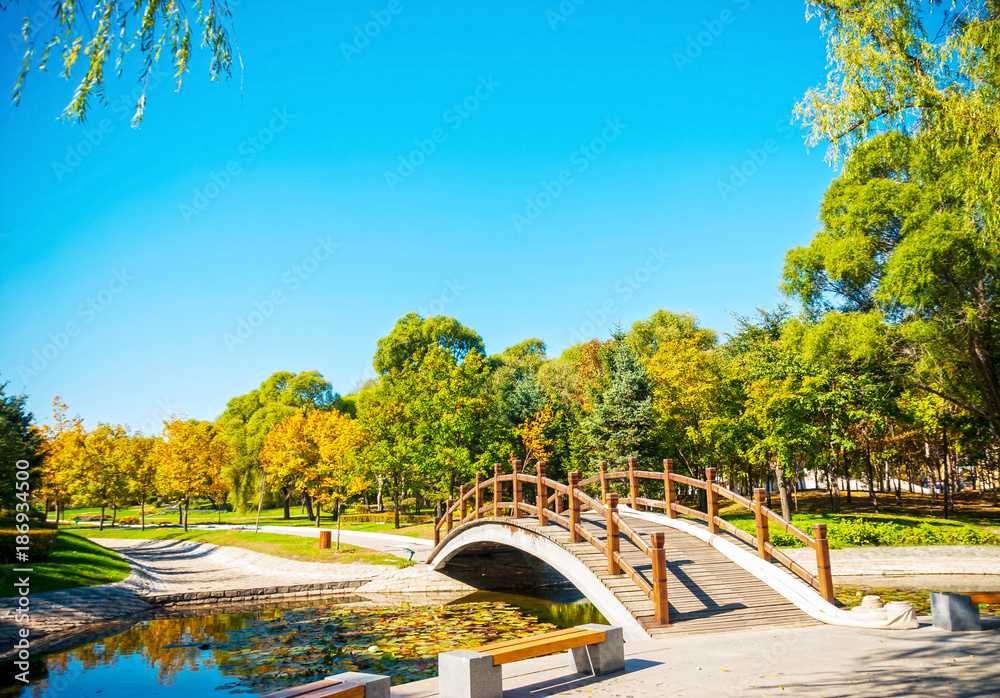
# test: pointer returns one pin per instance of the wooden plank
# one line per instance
(540, 645)
(521, 640)
(984, 597)
(321, 689)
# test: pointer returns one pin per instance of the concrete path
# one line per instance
(906, 560)
(173, 566)
(815, 661)
(384, 542)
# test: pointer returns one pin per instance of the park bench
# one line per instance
(959, 611)
(593, 649)
(351, 684)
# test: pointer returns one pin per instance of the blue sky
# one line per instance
(532, 171)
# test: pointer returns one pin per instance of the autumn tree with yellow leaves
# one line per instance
(190, 459)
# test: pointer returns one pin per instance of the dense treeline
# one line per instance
(884, 371)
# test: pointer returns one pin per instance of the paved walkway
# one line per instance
(815, 661)
(906, 560)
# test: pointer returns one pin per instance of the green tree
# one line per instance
(413, 336)
(106, 29)
(19, 440)
(622, 421)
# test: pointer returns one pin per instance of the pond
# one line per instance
(255, 652)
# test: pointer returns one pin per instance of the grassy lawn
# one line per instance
(975, 521)
(289, 547)
(75, 562)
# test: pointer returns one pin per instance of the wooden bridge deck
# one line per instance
(708, 593)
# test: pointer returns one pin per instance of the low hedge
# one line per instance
(861, 532)
(41, 542)
(128, 520)
(386, 517)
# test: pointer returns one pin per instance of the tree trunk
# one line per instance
(309, 505)
(781, 479)
(57, 506)
(395, 500)
(100, 526)
(318, 508)
(286, 500)
(180, 511)
(187, 511)
(114, 514)
(142, 514)
(871, 479)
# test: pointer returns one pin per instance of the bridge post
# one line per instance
(574, 507)
(541, 493)
(448, 512)
(824, 572)
(518, 467)
(633, 484)
(463, 490)
(497, 472)
(763, 538)
(437, 531)
(479, 495)
(611, 503)
(603, 465)
(668, 487)
(660, 604)
(712, 499)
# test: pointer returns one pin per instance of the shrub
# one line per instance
(387, 517)
(128, 520)
(41, 542)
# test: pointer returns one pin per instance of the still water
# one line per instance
(259, 651)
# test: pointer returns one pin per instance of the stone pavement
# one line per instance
(906, 560)
(815, 661)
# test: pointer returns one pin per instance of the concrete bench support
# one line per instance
(471, 674)
(376, 686)
(468, 674)
(954, 612)
(602, 658)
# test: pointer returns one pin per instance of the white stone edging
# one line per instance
(796, 591)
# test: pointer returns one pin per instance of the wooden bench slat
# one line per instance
(321, 689)
(541, 645)
(301, 690)
(521, 640)
(984, 597)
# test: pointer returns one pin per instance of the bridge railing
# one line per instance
(473, 503)
(545, 502)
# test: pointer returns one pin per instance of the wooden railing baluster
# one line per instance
(603, 466)
(574, 507)
(613, 543)
(479, 494)
(633, 484)
(541, 495)
(823, 562)
(759, 495)
(668, 487)
(448, 514)
(660, 604)
(463, 490)
(518, 466)
(497, 472)
(713, 500)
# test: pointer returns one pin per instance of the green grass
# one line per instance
(75, 562)
(920, 521)
(279, 545)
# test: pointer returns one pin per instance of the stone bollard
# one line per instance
(376, 686)
(954, 612)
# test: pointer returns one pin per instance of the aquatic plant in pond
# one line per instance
(401, 642)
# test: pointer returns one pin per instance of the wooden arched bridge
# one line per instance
(653, 566)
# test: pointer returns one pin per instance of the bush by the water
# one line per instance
(41, 542)
(860, 532)
(386, 517)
